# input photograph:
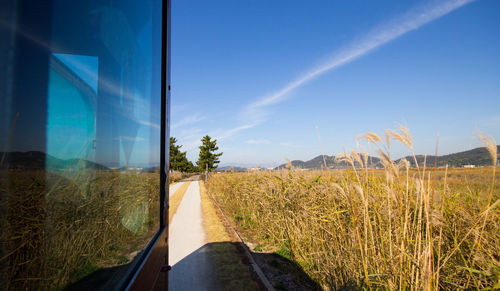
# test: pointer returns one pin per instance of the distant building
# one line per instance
(469, 166)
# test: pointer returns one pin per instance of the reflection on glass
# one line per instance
(81, 203)
(71, 108)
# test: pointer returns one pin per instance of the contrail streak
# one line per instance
(409, 22)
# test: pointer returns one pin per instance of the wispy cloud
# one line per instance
(191, 137)
(188, 120)
(255, 113)
(148, 123)
(189, 133)
(394, 29)
(232, 131)
(258, 141)
(191, 144)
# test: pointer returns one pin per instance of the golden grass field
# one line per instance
(397, 228)
(57, 230)
(231, 273)
(178, 176)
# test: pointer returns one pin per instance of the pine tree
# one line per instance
(178, 159)
(208, 158)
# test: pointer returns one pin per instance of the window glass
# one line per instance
(80, 156)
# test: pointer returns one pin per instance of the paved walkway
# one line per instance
(191, 266)
(174, 188)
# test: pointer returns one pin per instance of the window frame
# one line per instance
(29, 18)
(154, 260)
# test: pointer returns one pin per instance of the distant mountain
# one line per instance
(317, 163)
(36, 160)
(228, 168)
(477, 157)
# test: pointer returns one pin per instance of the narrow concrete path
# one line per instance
(174, 187)
(191, 266)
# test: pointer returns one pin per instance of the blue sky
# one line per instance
(261, 75)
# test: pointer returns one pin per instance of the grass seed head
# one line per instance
(357, 158)
(490, 145)
(406, 135)
(343, 157)
(371, 136)
(391, 134)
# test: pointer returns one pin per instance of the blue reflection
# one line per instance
(80, 136)
(106, 109)
(71, 108)
(85, 67)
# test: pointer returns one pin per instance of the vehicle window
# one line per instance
(80, 143)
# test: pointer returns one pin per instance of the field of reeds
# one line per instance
(178, 176)
(59, 228)
(396, 228)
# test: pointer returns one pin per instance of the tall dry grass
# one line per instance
(178, 176)
(57, 230)
(397, 228)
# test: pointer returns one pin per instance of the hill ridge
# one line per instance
(477, 157)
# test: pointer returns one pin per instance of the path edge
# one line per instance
(246, 251)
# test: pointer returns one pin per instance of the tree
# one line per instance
(175, 155)
(208, 158)
(178, 159)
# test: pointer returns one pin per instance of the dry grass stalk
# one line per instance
(357, 228)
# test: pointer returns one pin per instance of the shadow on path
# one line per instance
(282, 273)
(193, 272)
(231, 270)
(228, 269)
